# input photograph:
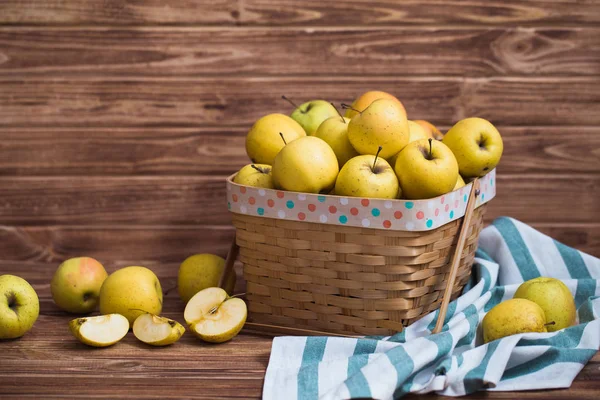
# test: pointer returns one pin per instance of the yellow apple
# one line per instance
(426, 169)
(476, 144)
(383, 123)
(554, 297)
(131, 292)
(100, 331)
(334, 131)
(258, 175)
(364, 100)
(76, 284)
(157, 331)
(417, 132)
(19, 307)
(512, 317)
(215, 317)
(263, 141)
(431, 129)
(460, 182)
(201, 271)
(367, 176)
(307, 165)
(311, 114)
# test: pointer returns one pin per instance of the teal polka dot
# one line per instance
(375, 212)
(289, 204)
(429, 223)
(228, 205)
(492, 182)
(343, 219)
(321, 199)
(451, 214)
(482, 196)
(465, 198)
(260, 211)
(409, 204)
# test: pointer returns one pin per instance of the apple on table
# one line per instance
(19, 307)
(76, 284)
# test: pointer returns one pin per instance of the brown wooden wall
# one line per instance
(119, 119)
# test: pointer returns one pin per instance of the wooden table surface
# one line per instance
(50, 363)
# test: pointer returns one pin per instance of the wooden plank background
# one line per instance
(120, 119)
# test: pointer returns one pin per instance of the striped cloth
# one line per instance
(454, 362)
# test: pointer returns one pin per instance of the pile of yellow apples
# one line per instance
(539, 305)
(130, 297)
(373, 150)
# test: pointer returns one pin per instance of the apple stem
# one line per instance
(291, 102)
(339, 113)
(376, 155)
(282, 138)
(550, 323)
(430, 153)
(259, 169)
(237, 295)
(346, 106)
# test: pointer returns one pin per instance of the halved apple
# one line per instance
(157, 331)
(100, 331)
(215, 317)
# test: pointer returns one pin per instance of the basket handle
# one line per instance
(229, 261)
(462, 237)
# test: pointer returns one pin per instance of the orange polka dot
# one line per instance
(280, 195)
(442, 199)
(387, 224)
(332, 209)
(456, 204)
(235, 198)
(301, 216)
(447, 207)
(312, 207)
(437, 212)
(365, 202)
(398, 214)
(354, 211)
(420, 215)
(252, 200)
(270, 203)
(243, 189)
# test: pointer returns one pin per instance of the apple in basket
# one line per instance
(334, 131)
(364, 100)
(311, 114)
(263, 141)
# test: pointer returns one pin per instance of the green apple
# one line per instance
(307, 165)
(383, 123)
(214, 317)
(76, 284)
(426, 168)
(367, 176)
(311, 114)
(364, 100)
(131, 291)
(19, 307)
(460, 182)
(263, 141)
(476, 144)
(100, 331)
(157, 331)
(258, 175)
(334, 131)
(554, 297)
(201, 271)
(512, 317)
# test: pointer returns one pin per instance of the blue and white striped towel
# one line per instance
(451, 363)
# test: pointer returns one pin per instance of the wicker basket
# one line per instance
(345, 279)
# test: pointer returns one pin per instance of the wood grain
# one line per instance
(202, 200)
(398, 51)
(308, 12)
(178, 102)
(220, 150)
(62, 367)
(131, 245)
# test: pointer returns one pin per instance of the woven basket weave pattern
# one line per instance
(348, 280)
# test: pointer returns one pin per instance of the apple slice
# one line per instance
(213, 316)
(157, 331)
(100, 331)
